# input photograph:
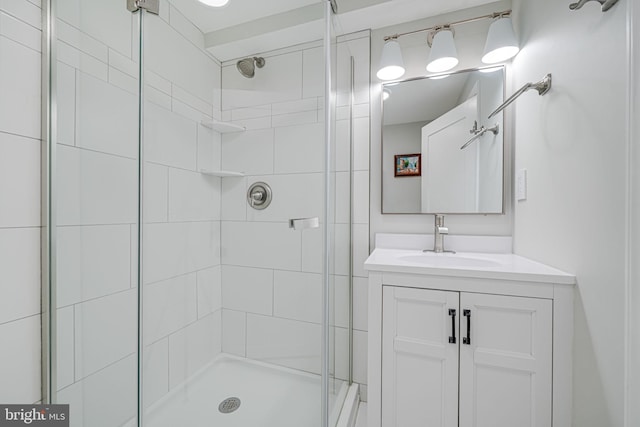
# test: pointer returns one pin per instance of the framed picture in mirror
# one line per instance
(408, 164)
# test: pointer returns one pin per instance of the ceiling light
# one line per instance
(391, 63)
(443, 55)
(501, 42)
(214, 3)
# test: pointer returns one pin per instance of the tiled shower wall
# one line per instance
(271, 275)
(97, 207)
(20, 35)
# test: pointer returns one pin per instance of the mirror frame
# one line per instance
(504, 141)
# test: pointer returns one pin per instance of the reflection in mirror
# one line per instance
(436, 117)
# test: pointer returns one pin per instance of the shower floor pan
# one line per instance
(269, 396)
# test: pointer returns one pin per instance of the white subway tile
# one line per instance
(19, 181)
(360, 303)
(209, 148)
(155, 371)
(343, 145)
(341, 358)
(360, 357)
(20, 89)
(25, 11)
(295, 119)
(106, 117)
(250, 152)
(116, 384)
(361, 144)
(209, 291)
(93, 261)
(174, 249)
(65, 357)
(251, 113)
(20, 32)
(107, 22)
(124, 64)
(192, 101)
(81, 41)
(123, 81)
(169, 306)
(254, 124)
(298, 196)
(170, 139)
(360, 249)
(234, 332)
(181, 24)
(284, 342)
(104, 332)
(156, 193)
(193, 196)
(313, 72)
(81, 61)
(193, 347)
(95, 188)
(66, 104)
(261, 245)
(297, 296)
(341, 301)
(155, 96)
(342, 197)
(20, 365)
(247, 289)
(234, 200)
(360, 197)
(154, 80)
(299, 149)
(291, 107)
(312, 250)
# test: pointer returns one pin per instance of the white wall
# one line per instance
(470, 44)
(573, 144)
(271, 275)
(20, 46)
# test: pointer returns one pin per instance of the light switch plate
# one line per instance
(521, 185)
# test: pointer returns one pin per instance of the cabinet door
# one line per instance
(505, 371)
(419, 364)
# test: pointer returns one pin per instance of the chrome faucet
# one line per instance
(438, 236)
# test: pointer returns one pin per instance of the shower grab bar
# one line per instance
(543, 86)
(480, 133)
(606, 4)
(304, 223)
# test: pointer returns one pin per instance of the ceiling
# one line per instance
(246, 27)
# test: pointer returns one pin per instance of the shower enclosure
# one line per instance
(176, 296)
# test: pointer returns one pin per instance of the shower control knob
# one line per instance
(259, 195)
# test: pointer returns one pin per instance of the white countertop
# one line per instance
(499, 266)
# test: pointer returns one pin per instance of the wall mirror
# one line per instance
(426, 123)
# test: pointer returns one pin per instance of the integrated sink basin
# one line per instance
(429, 259)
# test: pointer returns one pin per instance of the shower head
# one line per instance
(247, 66)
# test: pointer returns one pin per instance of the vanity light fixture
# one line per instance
(391, 63)
(501, 45)
(443, 55)
(214, 3)
(501, 42)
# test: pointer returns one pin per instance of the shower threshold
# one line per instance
(267, 396)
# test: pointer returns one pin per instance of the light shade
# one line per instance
(443, 55)
(391, 63)
(501, 42)
(214, 3)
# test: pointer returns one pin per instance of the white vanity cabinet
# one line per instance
(486, 347)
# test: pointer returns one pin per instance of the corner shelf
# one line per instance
(222, 174)
(222, 127)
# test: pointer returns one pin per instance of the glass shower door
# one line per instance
(94, 210)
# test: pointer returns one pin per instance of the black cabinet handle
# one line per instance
(452, 313)
(467, 340)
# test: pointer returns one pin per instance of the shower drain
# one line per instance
(229, 405)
